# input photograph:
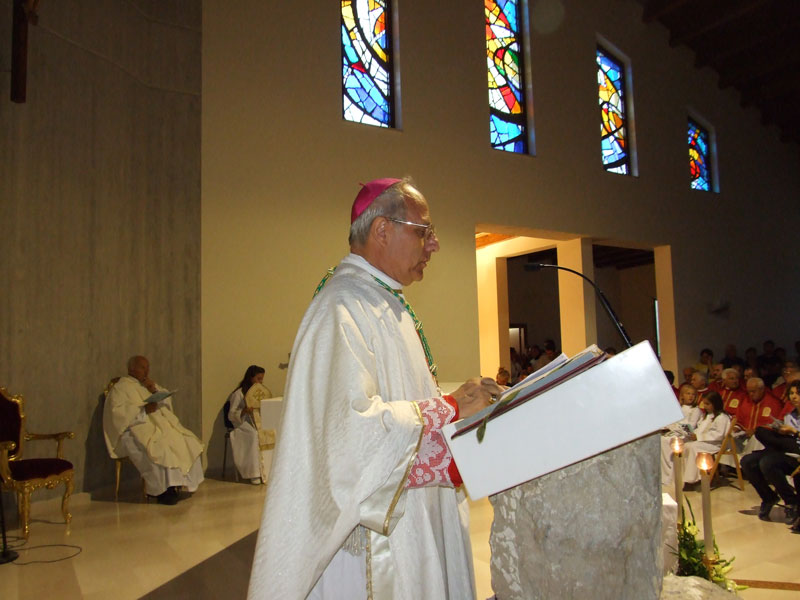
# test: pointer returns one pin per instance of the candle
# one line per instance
(704, 463)
(677, 473)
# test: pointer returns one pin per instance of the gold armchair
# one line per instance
(25, 475)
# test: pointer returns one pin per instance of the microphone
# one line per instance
(532, 266)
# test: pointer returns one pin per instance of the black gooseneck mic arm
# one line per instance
(603, 300)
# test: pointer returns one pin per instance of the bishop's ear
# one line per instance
(379, 230)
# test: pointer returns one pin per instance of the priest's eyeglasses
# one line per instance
(429, 233)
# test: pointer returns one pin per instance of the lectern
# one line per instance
(574, 478)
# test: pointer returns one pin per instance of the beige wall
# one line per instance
(100, 212)
(281, 168)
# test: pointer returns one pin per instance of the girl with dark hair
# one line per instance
(706, 437)
(244, 437)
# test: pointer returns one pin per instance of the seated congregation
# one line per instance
(757, 400)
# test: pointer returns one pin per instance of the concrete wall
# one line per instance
(100, 211)
(280, 169)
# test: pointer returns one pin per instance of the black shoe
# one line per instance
(764, 510)
(169, 497)
(791, 512)
(726, 471)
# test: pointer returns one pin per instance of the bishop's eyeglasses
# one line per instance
(430, 230)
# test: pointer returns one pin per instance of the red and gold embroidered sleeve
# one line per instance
(434, 464)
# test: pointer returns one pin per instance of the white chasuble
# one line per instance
(166, 441)
(351, 428)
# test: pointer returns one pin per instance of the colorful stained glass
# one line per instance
(507, 121)
(699, 158)
(367, 62)
(613, 133)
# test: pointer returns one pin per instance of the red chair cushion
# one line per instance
(37, 468)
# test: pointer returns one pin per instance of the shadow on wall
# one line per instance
(99, 473)
(215, 449)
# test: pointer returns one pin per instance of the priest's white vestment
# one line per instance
(164, 451)
(350, 433)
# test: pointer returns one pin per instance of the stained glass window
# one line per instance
(507, 124)
(613, 126)
(699, 158)
(367, 62)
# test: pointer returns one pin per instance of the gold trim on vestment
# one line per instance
(369, 564)
(403, 482)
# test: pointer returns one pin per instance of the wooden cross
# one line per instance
(24, 13)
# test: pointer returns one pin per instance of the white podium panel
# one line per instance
(270, 420)
(617, 401)
(271, 414)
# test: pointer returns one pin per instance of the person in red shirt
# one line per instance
(732, 392)
(699, 382)
(715, 377)
(779, 387)
(759, 409)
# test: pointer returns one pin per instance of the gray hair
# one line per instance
(391, 203)
(727, 372)
(702, 374)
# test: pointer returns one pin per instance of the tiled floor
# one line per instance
(128, 549)
(765, 551)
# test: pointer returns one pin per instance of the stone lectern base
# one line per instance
(590, 530)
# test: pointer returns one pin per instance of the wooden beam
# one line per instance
(655, 9)
(720, 20)
(19, 52)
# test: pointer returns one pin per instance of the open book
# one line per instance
(579, 408)
(556, 372)
(160, 395)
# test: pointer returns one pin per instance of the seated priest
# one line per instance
(147, 432)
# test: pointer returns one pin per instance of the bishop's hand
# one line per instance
(475, 394)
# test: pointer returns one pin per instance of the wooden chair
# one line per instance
(729, 447)
(23, 476)
(118, 461)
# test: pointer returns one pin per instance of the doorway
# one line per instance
(636, 279)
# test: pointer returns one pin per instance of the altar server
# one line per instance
(244, 437)
(707, 437)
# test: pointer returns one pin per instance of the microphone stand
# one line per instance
(603, 300)
(6, 555)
